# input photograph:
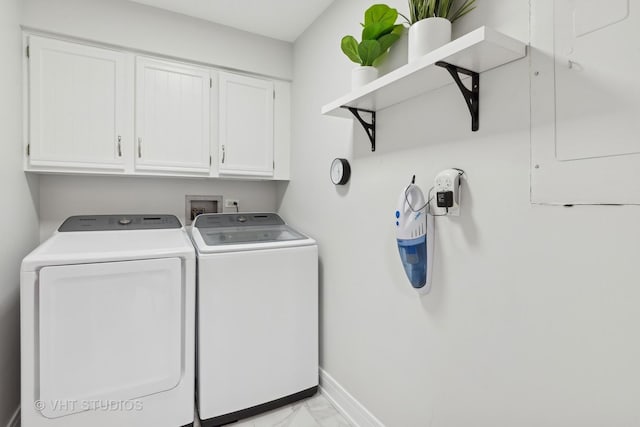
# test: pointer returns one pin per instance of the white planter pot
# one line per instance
(360, 76)
(427, 35)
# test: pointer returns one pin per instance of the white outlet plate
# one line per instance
(447, 180)
(231, 203)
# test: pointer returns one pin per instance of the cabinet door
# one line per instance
(172, 117)
(77, 102)
(246, 126)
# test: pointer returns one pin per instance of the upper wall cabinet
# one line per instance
(172, 117)
(77, 106)
(95, 110)
(246, 125)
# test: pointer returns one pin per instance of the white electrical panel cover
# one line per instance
(585, 102)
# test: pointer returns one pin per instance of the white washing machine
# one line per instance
(108, 324)
(257, 315)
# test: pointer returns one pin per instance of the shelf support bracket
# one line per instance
(471, 97)
(369, 128)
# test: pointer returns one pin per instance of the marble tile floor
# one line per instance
(315, 411)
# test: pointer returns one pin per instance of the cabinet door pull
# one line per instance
(119, 146)
(224, 154)
(139, 147)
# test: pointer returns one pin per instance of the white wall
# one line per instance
(18, 216)
(532, 320)
(63, 196)
(136, 26)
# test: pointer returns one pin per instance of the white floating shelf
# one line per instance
(477, 51)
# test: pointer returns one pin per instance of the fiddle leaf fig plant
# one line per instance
(423, 9)
(379, 33)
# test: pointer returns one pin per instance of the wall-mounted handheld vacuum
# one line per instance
(415, 228)
(415, 235)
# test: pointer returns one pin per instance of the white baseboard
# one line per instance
(15, 419)
(345, 403)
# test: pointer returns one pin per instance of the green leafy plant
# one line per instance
(379, 32)
(423, 9)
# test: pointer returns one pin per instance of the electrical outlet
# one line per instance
(231, 203)
(447, 183)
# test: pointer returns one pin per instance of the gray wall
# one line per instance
(532, 320)
(18, 216)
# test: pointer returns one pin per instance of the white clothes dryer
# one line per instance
(257, 315)
(108, 324)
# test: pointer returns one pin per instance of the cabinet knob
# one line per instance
(223, 154)
(119, 146)
(139, 147)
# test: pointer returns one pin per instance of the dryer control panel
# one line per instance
(119, 222)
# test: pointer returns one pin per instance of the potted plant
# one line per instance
(379, 32)
(430, 23)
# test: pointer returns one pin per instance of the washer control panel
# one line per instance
(237, 220)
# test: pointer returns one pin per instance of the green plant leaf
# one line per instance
(386, 42)
(380, 14)
(431, 8)
(374, 31)
(379, 20)
(413, 5)
(380, 59)
(349, 46)
(398, 29)
(369, 51)
(422, 9)
(379, 32)
(444, 7)
(389, 39)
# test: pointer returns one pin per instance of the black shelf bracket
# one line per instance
(471, 97)
(369, 128)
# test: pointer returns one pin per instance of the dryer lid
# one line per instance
(81, 240)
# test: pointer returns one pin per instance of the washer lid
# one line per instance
(237, 220)
(240, 235)
(240, 232)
